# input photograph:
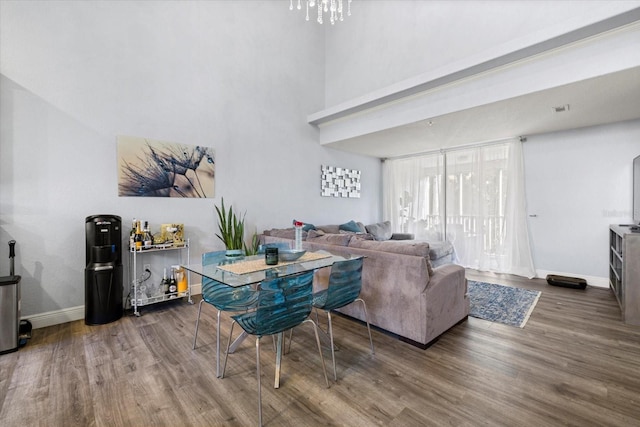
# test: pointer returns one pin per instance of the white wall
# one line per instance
(577, 183)
(388, 41)
(234, 76)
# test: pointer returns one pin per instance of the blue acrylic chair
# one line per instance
(279, 245)
(283, 303)
(223, 298)
(345, 283)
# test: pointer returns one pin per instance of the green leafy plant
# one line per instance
(231, 227)
(252, 249)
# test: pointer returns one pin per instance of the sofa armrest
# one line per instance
(402, 236)
(451, 274)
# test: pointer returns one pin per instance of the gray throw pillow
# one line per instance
(380, 230)
(312, 234)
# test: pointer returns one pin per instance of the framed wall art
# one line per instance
(339, 182)
(151, 168)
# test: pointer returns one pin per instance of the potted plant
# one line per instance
(253, 248)
(231, 230)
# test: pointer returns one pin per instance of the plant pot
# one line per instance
(234, 253)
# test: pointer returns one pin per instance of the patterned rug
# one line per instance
(503, 304)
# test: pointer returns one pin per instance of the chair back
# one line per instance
(283, 303)
(221, 296)
(345, 283)
(279, 245)
(215, 257)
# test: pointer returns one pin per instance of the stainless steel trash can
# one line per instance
(9, 313)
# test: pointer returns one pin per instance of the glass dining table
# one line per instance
(251, 270)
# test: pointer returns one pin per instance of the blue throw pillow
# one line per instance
(351, 226)
(306, 226)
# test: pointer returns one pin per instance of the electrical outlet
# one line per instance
(147, 267)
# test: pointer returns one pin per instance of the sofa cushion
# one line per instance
(361, 236)
(414, 248)
(404, 247)
(380, 230)
(440, 249)
(352, 226)
(331, 239)
(329, 229)
(315, 233)
(285, 233)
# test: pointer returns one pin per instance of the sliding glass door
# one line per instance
(413, 195)
(473, 197)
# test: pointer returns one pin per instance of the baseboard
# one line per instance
(71, 314)
(600, 282)
(196, 289)
(57, 317)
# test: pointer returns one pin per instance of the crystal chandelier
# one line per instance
(332, 7)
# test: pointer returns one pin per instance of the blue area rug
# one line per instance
(503, 304)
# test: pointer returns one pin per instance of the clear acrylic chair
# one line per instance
(283, 303)
(223, 298)
(279, 245)
(345, 283)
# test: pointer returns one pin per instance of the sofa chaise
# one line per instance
(405, 294)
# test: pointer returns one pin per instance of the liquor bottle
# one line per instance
(146, 236)
(181, 279)
(132, 234)
(165, 282)
(138, 237)
(173, 285)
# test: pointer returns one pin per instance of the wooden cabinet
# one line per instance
(624, 271)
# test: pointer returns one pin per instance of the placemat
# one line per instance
(244, 267)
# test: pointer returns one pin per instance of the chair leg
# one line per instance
(195, 335)
(226, 353)
(259, 382)
(324, 368)
(366, 317)
(333, 353)
(279, 346)
(290, 339)
(218, 347)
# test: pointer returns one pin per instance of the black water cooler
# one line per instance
(103, 272)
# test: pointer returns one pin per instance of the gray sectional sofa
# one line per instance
(405, 294)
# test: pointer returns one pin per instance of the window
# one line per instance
(473, 196)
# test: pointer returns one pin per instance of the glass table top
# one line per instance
(212, 271)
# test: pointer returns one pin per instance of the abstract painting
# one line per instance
(340, 182)
(151, 168)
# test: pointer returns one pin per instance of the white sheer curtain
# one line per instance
(484, 214)
(413, 195)
(518, 259)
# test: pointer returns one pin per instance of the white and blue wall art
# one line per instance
(150, 168)
(340, 182)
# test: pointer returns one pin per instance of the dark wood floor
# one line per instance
(574, 363)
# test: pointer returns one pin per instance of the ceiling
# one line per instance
(610, 98)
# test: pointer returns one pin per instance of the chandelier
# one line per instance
(332, 7)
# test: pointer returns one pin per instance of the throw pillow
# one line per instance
(380, 230)
(307, 226)
(312, 234)
(351, 226)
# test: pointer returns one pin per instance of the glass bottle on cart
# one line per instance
(148, 287)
